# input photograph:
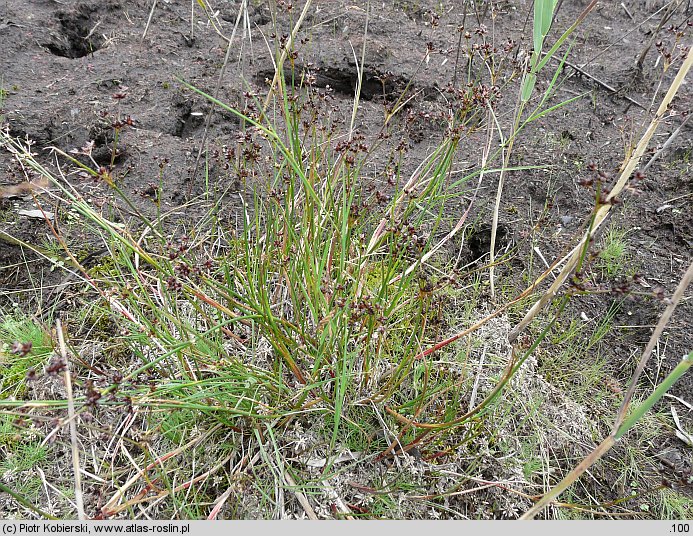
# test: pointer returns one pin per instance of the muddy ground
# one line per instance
(68, 68)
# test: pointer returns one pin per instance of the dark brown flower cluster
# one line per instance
(21, 349)
(350, 149)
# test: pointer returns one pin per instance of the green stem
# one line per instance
(21, 500)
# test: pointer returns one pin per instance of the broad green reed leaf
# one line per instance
(543, 14)
(656, 395)
(528, 86)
